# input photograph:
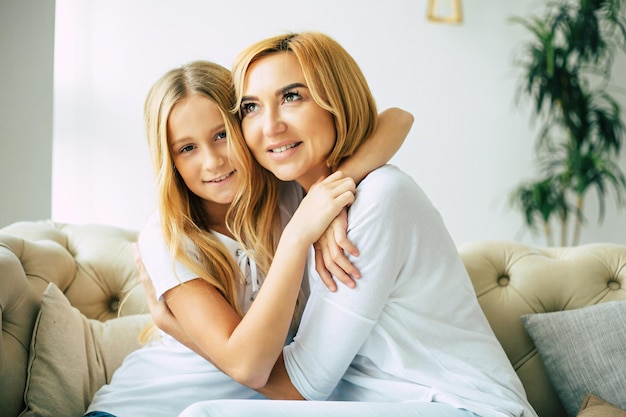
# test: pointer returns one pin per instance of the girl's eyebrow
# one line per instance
(278, 92)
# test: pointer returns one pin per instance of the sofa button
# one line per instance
(503, 281)
(613, 285)
(114, 305)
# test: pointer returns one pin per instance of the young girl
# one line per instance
(235, 326)
(411, 338)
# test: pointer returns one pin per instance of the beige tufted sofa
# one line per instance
(93, 265)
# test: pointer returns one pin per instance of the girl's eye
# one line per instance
(187, 148)
(247, 108)
(220, 136)
(291, 96)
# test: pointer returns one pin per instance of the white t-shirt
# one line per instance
(412, 329)
(164, 377)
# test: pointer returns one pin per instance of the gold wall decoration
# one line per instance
(455, 16)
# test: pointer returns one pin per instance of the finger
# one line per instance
(342, 185)
(337, 175)
(345, 199)
(341, 276)
(341, 267)
(342, 240)
(338, 264)
(324, 274)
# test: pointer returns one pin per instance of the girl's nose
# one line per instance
(212, 160)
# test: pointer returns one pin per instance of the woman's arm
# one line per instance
(345, 319)
(247, 348)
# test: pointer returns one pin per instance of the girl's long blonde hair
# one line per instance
(183, 216)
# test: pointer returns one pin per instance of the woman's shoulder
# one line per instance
(388, 179)
(390, 188)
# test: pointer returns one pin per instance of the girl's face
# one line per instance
(197, 140)
(287, 131)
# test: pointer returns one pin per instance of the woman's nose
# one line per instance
(273, 123)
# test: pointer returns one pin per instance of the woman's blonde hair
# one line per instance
(335, 80)
(183, 216)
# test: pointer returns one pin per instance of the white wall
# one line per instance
(26, 60)
(470, 144)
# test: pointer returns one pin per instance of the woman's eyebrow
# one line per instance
(291, 86)
(279, 92)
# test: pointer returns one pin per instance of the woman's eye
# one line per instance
(291, 96)
(220, 136)
(248, 108)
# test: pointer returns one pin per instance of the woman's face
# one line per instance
(287, 131)
(197, 140)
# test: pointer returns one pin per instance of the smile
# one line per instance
(284, 148)
(223, 177)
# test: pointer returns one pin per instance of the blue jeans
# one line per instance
(277, 408)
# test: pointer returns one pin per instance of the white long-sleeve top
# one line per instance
(412, 329)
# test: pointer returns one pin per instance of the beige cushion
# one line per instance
(594, 406)
(72, 356)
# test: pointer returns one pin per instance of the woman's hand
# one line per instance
(331, 261)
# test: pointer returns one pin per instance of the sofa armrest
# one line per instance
(512, 279)
(91, 264)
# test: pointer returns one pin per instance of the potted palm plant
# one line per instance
(566, 68)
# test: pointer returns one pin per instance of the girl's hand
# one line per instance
(331, 261)
(323, 202)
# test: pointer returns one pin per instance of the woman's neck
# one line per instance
(312, 176)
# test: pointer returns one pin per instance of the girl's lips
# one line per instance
(223, 177)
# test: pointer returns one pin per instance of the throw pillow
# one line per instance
(594, 406)
(72, 356)
(584, 350)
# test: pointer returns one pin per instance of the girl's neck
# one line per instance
(222, 229)
(216, 213)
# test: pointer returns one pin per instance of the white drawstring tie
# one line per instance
(247, 264)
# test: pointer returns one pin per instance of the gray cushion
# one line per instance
(584, 350)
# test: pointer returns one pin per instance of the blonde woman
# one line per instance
(234, 308)
(411, 338)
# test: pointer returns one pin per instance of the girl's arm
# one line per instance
(247, 348)
(393, 127)
(330, 261)
(190, 306)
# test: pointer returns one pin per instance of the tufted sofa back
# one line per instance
(512, 280)
(92, 264)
